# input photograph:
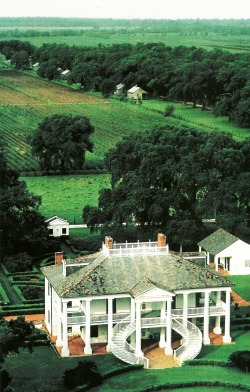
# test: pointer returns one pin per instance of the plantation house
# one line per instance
(228, 251)
(133, 291)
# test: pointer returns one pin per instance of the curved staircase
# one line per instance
(192, 342)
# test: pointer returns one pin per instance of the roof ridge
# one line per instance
(99, 262)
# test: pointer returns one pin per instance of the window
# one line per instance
(69, 329)
(94, 331)
(69, 305)
(81, 328)
(48, 316)
(64, 231)
(49, 288)
(144, 306)
(50, 231)
(247, 263)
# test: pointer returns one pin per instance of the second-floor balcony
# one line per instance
(96, 319)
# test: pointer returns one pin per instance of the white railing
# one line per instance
(97, 318)
(134, 249)
(199, 311)
(193, 341)
(125, 351)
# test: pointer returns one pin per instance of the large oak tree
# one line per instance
(61, 141)
(172, 179)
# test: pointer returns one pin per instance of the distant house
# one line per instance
(65, 73)
(57, 227)
(119, 89)
(35, 66)
(136, 93)
(229, 252)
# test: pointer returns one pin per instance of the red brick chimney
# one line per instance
(58, 257)
(109, 242)
(161, 240)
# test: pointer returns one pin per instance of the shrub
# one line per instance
(84, 374)
(240, 359)
(32, 292)
(18, 263)
(169, 110)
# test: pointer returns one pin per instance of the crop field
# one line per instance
(67, 195)
(92, 37)
(34, 99)
(26, 100)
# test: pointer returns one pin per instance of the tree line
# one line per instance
(170, 179)
(216, 79)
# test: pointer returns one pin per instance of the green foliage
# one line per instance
(169, 110)
(32, 292)
(241, 359)
(61, 142)
(18, 263)
(85, 373)
(172, 178)
(5, 379)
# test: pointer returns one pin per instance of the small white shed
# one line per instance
(136, 92)
(57, 227)
(229, 252)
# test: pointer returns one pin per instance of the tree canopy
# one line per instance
(172, 179)
(20, 222)
(61, 141)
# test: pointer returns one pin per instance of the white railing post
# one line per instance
(65, 348)
(227, 337)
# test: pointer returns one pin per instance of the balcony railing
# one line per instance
(135, 249)
(147, 321)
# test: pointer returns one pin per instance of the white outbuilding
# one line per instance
(57, 227)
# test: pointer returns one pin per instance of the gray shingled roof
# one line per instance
(132, 275)
(218, 241)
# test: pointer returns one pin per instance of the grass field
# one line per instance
(66, 196)
(232, 43)
(241, 286)
(26, 100)
(46, 369)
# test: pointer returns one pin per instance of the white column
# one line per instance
(138, 329)
(65, 348)
(206, 339)
(87, 348)
(217, 328)
(208, 258)
(132, 311)
(59, 329)
(216, 263)
(227, 337)
(185, 309)
(162, 342)
(168, 348)
(110, 323)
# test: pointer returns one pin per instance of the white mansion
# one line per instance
(131, 291)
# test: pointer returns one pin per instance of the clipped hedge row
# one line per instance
(210, 384)
(22, 311)
(204, 362)
(3, 296)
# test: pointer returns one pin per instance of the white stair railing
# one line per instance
(191, 336)
(121, 348)
(192, 341)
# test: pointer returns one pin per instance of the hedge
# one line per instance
(156, 387)
(22, 311)
(122, 370)
(3, 294)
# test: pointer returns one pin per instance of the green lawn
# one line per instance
(199, 118)
(43, 369)
(66, 196)
(241, 285)
(232, 43)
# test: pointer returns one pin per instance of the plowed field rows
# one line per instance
(26, 100)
